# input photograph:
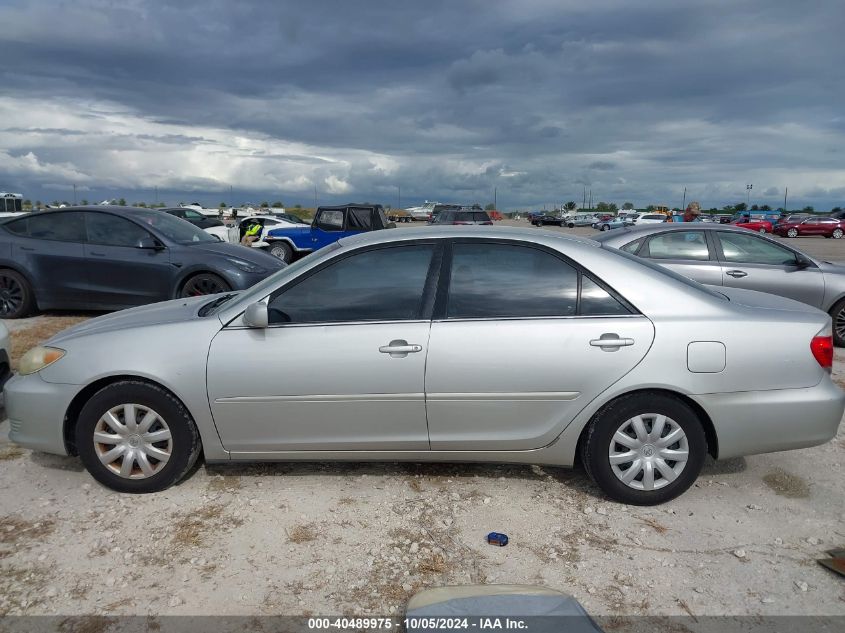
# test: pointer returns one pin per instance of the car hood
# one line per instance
(251, 255)
(175, 311)
(764, 300)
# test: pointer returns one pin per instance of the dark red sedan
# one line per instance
(829, 227)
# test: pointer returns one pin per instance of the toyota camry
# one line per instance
(440, 344)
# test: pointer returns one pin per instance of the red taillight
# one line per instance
(822, 348)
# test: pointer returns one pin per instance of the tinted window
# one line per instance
(66, 227)
(18, 227)
(677, 245)
(595, 300)
(360, 219)
(193, 215)
(750, 249)
(330, 220)
(653, 217)
(483, 217)
(500, 280)
(104, 228)
(380, 285)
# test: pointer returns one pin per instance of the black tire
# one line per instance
(762, 229)
(16, 297)
(204, 284)
(570, 225)
(596, 444)
(185, 438)
(282, 250)
(605, 227)
(837, 314)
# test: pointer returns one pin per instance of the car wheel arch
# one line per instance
(23, 273)
(87, 392)
(182, 279)
(704, 418)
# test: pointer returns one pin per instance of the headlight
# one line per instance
(38, 358)
(246, 266)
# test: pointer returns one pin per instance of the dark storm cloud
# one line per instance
(448, 99)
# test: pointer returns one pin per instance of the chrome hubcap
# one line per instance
(132, 441)
(648, 451)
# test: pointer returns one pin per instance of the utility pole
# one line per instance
(785, 191)
(748, 195)
(684, 203)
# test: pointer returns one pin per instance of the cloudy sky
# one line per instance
(445, 99)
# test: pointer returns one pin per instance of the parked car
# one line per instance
(548, 219)
(234, 234)
(464, 215)
(287, 217)
(580, 220)
(464, 330)
(109, 258)
(330, 225)
(828, 227)
(651, 218)
(608, 225)
(761, 226)
(194, 217)
(5, 351)
(722, 255)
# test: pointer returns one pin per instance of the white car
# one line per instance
(234, 234)
(5, 356)
(650, 218)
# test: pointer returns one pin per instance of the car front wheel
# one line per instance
(837, 234)
(204, 284)
(134, 436)
(762, 229)
(16, 297)
(644, 449)
(792, 233)
(605, 227)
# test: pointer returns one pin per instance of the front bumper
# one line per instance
(36, 411)
(753, 422)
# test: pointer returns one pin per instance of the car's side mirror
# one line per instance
(257, 315)
(148, 243)
(801, 263)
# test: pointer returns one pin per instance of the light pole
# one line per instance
(748, 189)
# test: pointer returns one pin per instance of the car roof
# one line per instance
(440, 232)
(633, 232)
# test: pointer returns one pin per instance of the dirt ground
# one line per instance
(360, 538)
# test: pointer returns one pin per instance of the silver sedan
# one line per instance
(439, 344)
(733, 257)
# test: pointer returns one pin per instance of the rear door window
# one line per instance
(749, 249)
(360, 220)
(677, 245)
(64, 227)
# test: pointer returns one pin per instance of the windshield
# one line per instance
(173, 228)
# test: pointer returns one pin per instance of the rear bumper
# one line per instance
(36, 411)
(753, 422)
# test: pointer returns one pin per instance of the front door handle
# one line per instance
(610, 342)
(400, 348)
(737, 274)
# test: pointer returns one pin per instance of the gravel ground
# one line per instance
(359, 539)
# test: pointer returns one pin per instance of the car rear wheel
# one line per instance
(644, 449)
(136, 437)
(282, 250)
(605, 227)
(204, 284)
(837, 234)
(837, 314)
(571, 225)
(762, 229)
(792, 233)
(16, 297)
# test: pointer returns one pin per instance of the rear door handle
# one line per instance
(610, 342)
(737, 274)
(97, 254)
(399, 348)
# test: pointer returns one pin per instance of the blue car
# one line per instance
(330, 225)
